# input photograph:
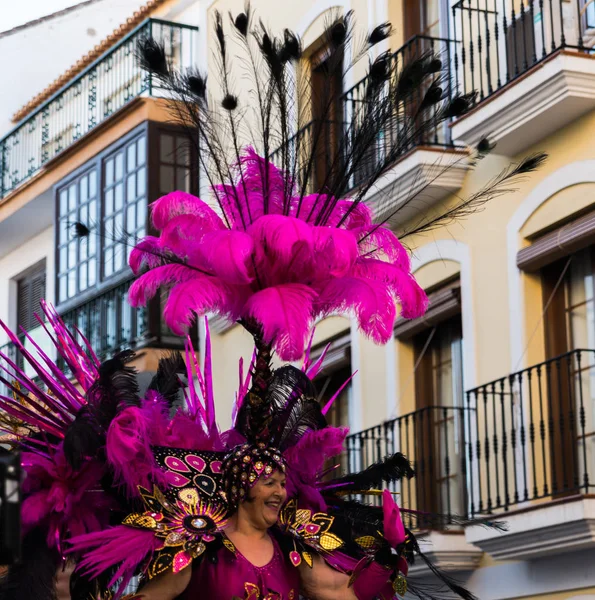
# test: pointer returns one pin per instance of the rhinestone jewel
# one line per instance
(199, 523)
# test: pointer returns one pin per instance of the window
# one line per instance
(439, 417)
(124, 203)
(30, 292)
(175, 163)
(111, 195)
(77, 257)
(569, 327)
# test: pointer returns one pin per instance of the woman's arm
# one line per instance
(322, 582)
(167, 586)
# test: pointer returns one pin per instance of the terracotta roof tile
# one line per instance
(138, 17)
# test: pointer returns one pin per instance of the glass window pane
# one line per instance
(109, 202)
(119, 166)
(119, 259)
(63, 202)
(166, 179)
(84, 188)
(83, 214)
(131, 218)
(92, 271)
(141, 184)
(93, 184)
(182, 151)
(142, 150)
(167, 149)
(141, 213)
(83, 248)
(92, 244)
(93, 211)
(63, 233)
(131, 190)
(119, 197)
(118, 224)
(71, 283)
(72, 197)
(83, 276)
(131, 164)
(63, 259)
(109, 171)
(109, 262)
(62, 288)
(72, 254)
(183, 179)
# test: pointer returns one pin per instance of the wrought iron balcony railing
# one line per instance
(330, 140)
(501, 41)
(532, 434)
(399, 135)
(101, 90)
(433, 440)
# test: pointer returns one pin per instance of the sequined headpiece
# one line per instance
(245, 465)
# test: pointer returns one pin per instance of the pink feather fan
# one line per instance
(268, 261)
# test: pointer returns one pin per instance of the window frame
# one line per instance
(152, 132)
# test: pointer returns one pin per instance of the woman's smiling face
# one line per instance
(265, 499)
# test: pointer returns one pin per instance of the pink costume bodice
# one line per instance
(233, 576)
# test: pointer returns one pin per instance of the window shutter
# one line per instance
(442, 305)
(30, 292)
(561, 242)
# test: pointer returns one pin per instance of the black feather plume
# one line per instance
(116, 388)
(80, 230)
(392, 468)
(380, 33)
(167, 379)
(152, 56)
(292, 47)
(195, 83)
(241, 23)
(229, 102)
(460, 105)
(34, 578)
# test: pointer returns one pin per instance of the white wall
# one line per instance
(35, 56)
(26, 255)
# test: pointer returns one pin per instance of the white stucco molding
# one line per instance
(459, 252)
(572, 174)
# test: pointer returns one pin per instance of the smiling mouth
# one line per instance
(274, 505)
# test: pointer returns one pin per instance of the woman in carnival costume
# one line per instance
(130, 488)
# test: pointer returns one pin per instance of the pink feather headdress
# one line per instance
(272, 262)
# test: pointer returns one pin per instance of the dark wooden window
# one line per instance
(175, 163)
(327, 115)
(421, 17)
(30, 292)
(569, 324)
(439, 418)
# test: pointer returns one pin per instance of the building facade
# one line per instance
(491, 393)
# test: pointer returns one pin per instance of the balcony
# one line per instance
(531, 63)
(433, 439)
(104, 88)
(421, 167)
(531, 456)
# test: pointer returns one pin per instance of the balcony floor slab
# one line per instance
(449, 551)
(423, 177)
(548, 97)
(550, 528)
